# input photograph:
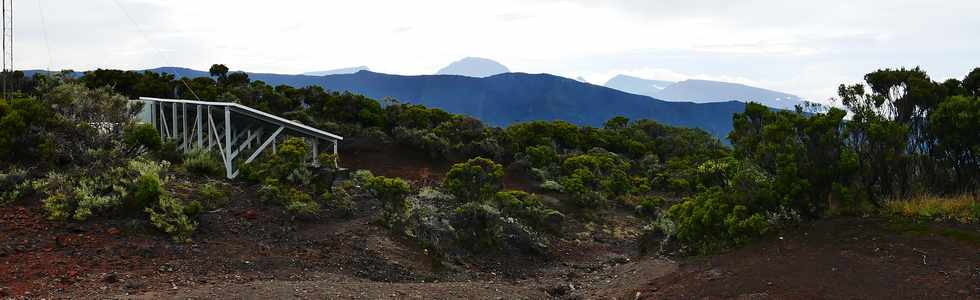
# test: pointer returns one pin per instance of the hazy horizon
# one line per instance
(805, 49)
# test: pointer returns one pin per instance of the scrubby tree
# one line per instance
(475, 180)
(594, 178)
(219, 71)
(806, 154)
(956, 124)
(971, 83)
(392, 192)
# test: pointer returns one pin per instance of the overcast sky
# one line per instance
(801, 47)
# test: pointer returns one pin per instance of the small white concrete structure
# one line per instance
(230, 128)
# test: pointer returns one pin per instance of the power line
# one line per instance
(44, 33)
(160, 53)
(8, 42)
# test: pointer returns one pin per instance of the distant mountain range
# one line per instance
(636, 85)
(474, 67)
(338, 71)
(703, 91)
(509, 98)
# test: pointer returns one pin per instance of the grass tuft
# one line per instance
(963, 209)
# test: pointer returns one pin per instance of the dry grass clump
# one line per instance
(962, 208)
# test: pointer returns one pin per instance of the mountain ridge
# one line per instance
(703, 91)
(349, 70)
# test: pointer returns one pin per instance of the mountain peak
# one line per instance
(636, 85)
(699, 90)
(474, 67)
(703, 91)
(350, 70)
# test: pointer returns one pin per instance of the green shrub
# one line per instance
(202, 162)
(168, 151)
(478, 226)
(78, 195)
(171, 217)
(289, 163)
(710, 221)
(328, 160)
(433, 195)
(148, 191)
(361, 177)
(552, 186)
(340, 201)
(649, 206)
(475, 180)
(58, 207)
(582, 192)
(434, 234)
(140, 183)
(392, 192)
(542, 156)
(13, 185)
(142, 137)
(529, 209)
(592, 178)
(270, 191)
(301, 203)
(193, 209)
(213, 195)
(22, 125)
(93, 198)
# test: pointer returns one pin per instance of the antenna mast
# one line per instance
(8, 43)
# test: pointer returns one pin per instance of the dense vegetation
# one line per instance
(73, 144)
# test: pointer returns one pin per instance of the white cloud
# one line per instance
(801, 47)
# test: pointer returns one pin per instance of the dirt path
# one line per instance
(332, 286)
(836, 259)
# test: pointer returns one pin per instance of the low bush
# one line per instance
(168, 151)
(393, 194)
(172, 217)
(529, 209)
(147, 192)
(271, 191)
(203, 163)
(93, 198)
(711, 221)
(340, 201)
(478, 226)
(649, 206)
(552, 186)
(783, 216)
(58, 207)
(432, 230)
(141, 138)
(361, 177)
(213, 195)
(476, 180)
(301, 203)
(77, 194)
(542, 156)
(582, 191)
(434, 195)
(592, 178)
(14, 184)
